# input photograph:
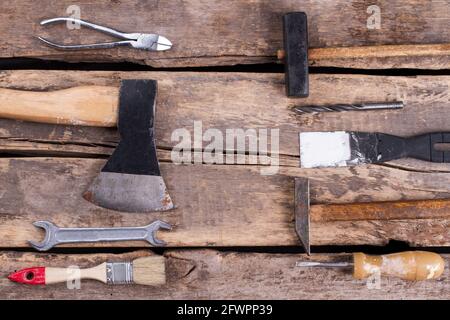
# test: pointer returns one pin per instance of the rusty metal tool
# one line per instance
(408, 265)
(305, 213)
(143, 41)
(55, 235)
(131, 180)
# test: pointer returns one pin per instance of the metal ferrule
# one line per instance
(119, 272)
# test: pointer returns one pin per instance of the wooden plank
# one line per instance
(248, 101)
(51, 188)
(218, 205)
(208, 274)
(231, 32)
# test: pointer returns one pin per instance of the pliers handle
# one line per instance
(144, 41)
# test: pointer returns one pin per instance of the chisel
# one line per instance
(148, 271)
(408, 265)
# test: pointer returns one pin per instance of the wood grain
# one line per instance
(222, 205)
(249, 101)
(229, 32)
(208, 274)
(212, 211)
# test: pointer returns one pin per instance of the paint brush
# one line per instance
(346, 148)
(148, 271)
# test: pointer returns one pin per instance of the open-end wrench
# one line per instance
(55, 235)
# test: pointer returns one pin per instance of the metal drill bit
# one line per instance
(348, 107)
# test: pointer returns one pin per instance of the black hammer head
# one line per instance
(302, 219)
(296, 54)
(131, 180)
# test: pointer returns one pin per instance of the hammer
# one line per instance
(296, 53)
(131, 179)
(305, 213)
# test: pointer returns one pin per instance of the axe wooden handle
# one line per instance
(84, 105)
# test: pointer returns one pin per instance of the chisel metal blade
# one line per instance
(302, 219)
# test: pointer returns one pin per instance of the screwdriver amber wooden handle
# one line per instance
(409, 265)
(83, 105)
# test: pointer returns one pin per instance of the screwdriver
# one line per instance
(408, 265)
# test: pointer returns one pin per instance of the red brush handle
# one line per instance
(33, 276)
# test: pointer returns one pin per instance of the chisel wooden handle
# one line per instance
(83, 105)
(408, 265)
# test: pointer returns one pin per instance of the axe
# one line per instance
(131, 180)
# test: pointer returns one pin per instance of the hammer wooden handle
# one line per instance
(393, 210)
(409, 265)
(84, 105)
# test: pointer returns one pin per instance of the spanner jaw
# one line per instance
(40, 246)
(153, 228)
(49, 239)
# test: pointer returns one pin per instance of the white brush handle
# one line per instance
(58, 275)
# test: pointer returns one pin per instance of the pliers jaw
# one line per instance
(151, 42)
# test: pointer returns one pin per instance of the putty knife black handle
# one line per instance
(380, 147)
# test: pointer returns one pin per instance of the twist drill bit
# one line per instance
(348, 107)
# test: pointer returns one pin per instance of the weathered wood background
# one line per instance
(233, 32)
(44, 168)
(208, 274)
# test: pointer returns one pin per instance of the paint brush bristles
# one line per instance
(149, 271)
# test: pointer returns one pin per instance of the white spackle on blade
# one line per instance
(324, 149)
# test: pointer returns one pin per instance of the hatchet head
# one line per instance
(131, 180)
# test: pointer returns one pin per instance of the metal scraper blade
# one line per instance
(302, 219)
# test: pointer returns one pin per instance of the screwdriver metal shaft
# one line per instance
(309, 264)
(348, 107)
